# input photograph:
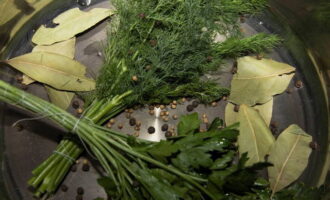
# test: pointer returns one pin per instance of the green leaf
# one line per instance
(265, 110)
(217, 123)
(55, 70)
(289, 155)
(188, 124)
(254, 138)
(257, 81)
(224, 161)
(158, 188)
(60, 98)
(299, 191)
(162, 150)
(70, 23)
(109, 186)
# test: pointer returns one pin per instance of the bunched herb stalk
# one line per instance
(166, 45)
(108, 146)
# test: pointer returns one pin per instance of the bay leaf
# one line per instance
(65, 48)
(52, 69)
(265, 110)
(254, 137)
(289, 155)
(60, 98)
(26, 80)
(257, 81)
(70, 23)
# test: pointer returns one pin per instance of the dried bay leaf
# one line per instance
(70, 23)
(65, 48)
(289, 155)
(257, 81)
(265, 110)
(52, 69)
(60, 98)
(255, 138)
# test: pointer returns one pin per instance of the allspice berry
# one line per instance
(134, 78)
(236, 108)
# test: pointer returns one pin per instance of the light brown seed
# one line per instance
(173, 106)
(136, 134)
(167, 113)
(214, 104)
(151, 112)
(183, 100)
(120, 126)
(162, 107)
(162, 113)
(85, 161)
(109, 125)
(80, 110)
(298, 84)
(137, 128)
(206, 121)
(166, 119)
(112, 121)
(175, 117)
(204, 115)
(134, 78)
(224, 98)
(126, 110)
(175, 102)
(138, 123)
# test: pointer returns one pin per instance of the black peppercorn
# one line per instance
(132, 121)
(75, 104)
(64, 188)
(151, 130)
(165, 127)
(85, 167)
(80, 191)
(190, 108)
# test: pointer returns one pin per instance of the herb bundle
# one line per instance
(156, 51)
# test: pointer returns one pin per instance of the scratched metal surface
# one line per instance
(27, 148)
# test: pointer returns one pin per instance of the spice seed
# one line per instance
(206, 121)
(120, 126)
(151, 130)
(136, 134)
(80, 110)
(173, 106)
(138, 123)
(175, 117)
(85, 167)
(204, 115)
(79, 197)
(109, 125)
(167, 113)
(162, 107)
(166, 119)
(224, 98)
(74, 168)
(298, 84)
(313, 145)
(137, 128)
(134, 78)
(236, 108)
(151, 112)
(168, 134)
(132, 121)
(175, 102)
(112, 121)
(183, 100)
(214, 104)
(75, 104)
(128, 115)
(80, 190)
(64, 188)
(165, 127)
(190, 108)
